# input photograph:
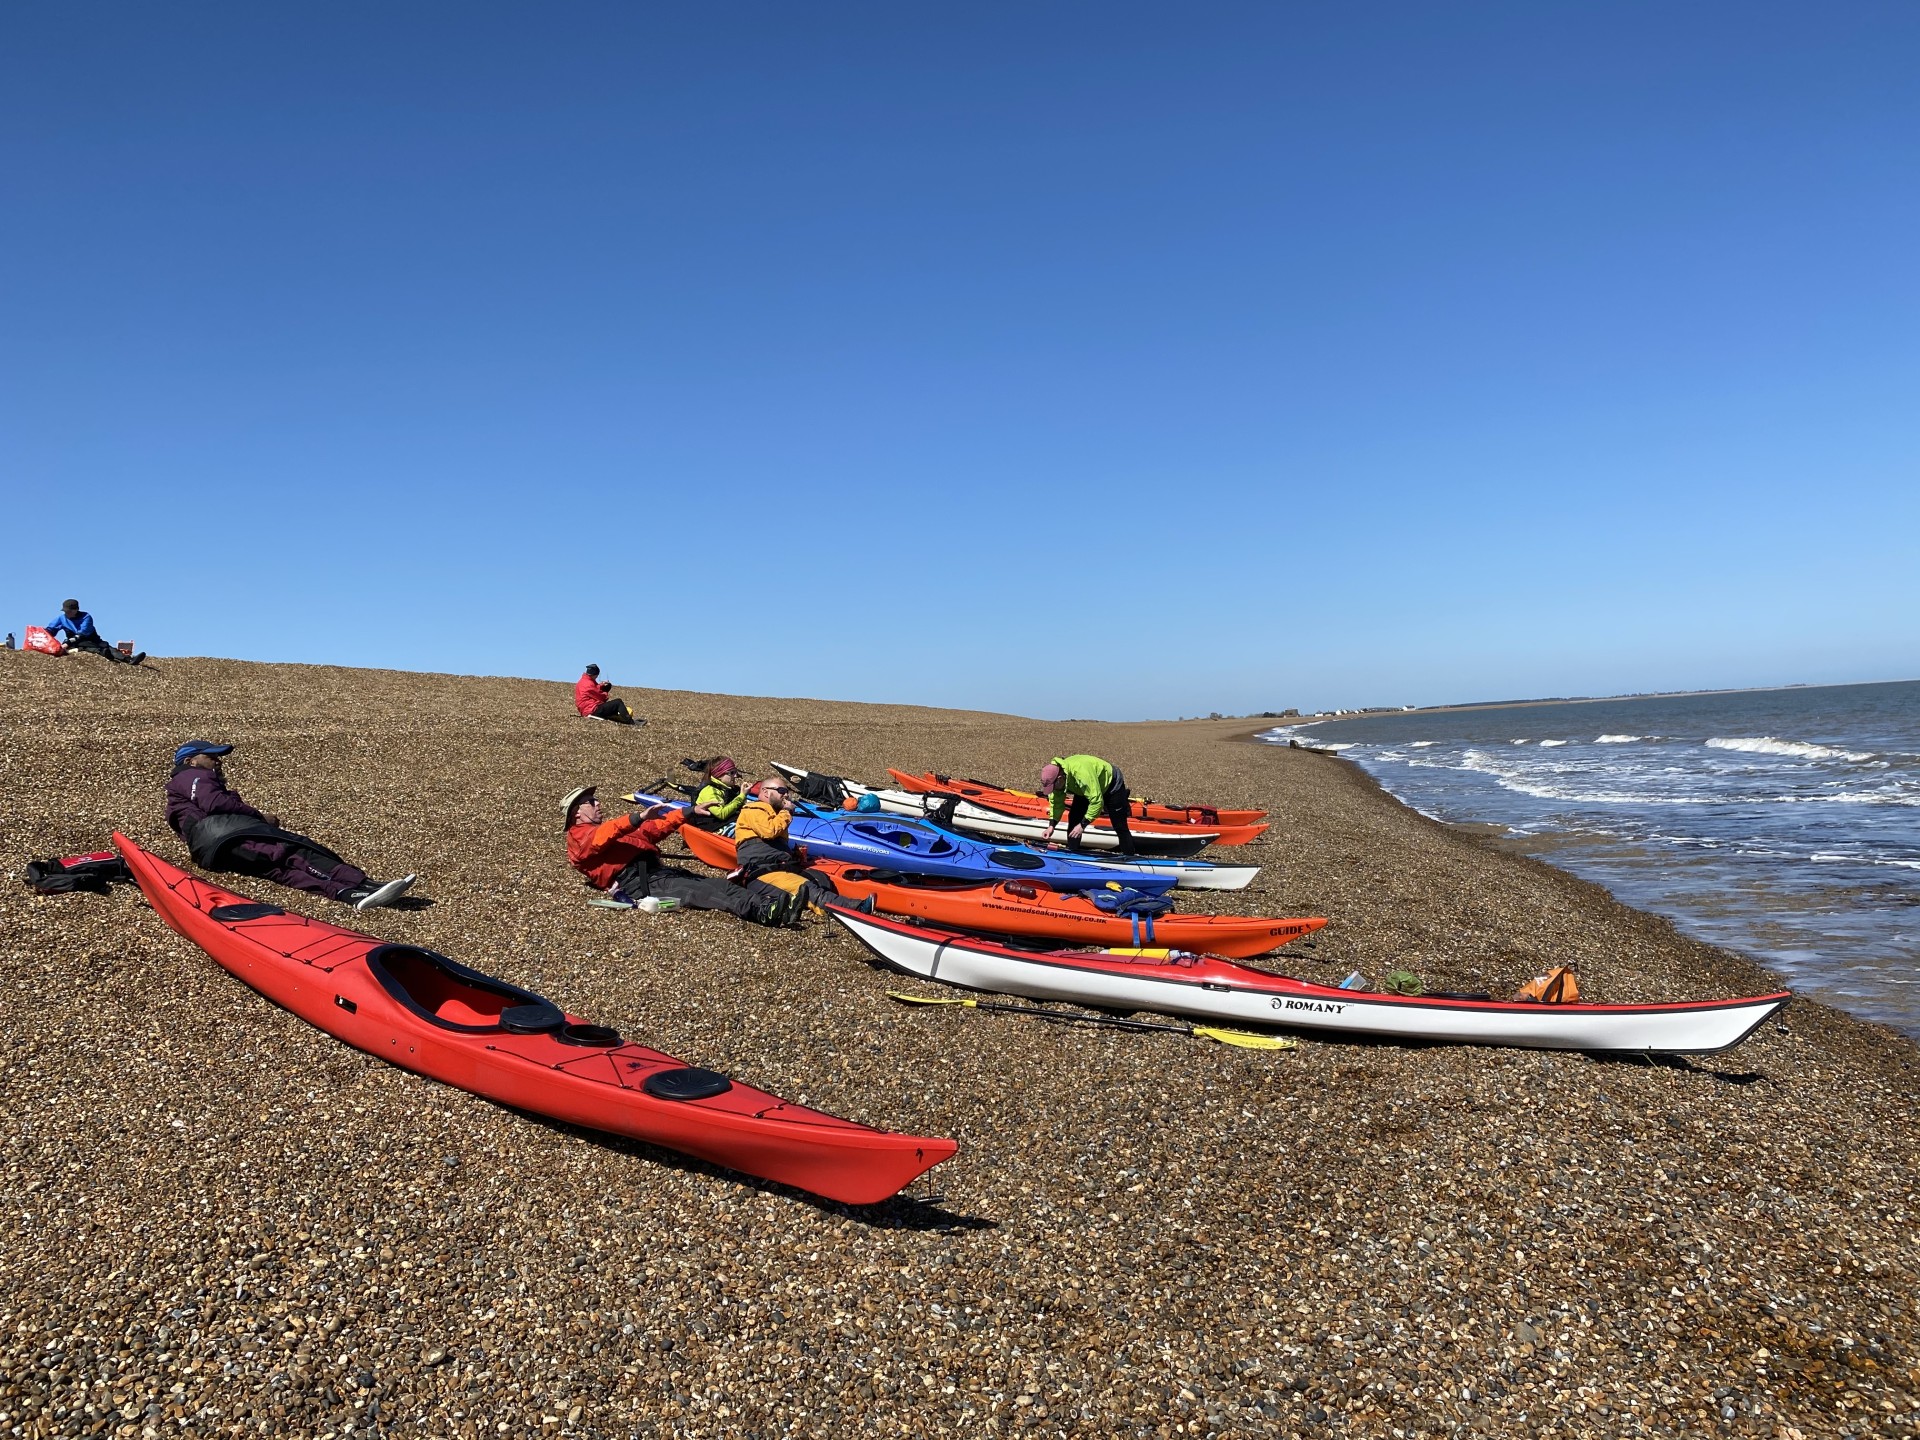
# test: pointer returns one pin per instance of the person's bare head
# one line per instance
(775, 792)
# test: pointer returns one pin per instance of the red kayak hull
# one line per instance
(428, 1015)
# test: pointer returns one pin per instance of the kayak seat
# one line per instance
(446, 993)
(686, 1083)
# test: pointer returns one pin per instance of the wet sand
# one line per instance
(224, 1222)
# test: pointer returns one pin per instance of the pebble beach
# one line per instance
(223, 1222)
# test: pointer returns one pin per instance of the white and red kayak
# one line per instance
(1206, 987)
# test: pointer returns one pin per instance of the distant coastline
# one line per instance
(1387, 711)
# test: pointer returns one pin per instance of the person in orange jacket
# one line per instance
(592, 697)
(622, 857)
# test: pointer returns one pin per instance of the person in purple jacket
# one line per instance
(225, 833)
(77, 625)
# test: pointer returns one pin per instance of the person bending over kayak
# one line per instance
(717, 803)
(764, 852)
(592, 697)
(225, 833)
(622, 856)
(1085, 787)
(77, 625)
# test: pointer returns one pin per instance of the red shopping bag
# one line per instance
(42, 640)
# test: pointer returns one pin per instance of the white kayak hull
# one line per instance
(1208, 988)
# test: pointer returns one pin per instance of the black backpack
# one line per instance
(92, 873)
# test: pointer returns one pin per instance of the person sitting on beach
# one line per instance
(622, 857)
(764, 852)
(223, 832)
(77, 625)
(592, 697)
(717, 802)
(1085, 787)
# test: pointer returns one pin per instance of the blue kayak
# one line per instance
(894, 842)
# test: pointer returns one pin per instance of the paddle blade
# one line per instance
(929, 999)
(1244, 1039)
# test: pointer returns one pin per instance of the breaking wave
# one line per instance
(1618, 739)
(1799, 749)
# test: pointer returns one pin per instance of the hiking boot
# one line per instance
(138, 657)
(373, 897)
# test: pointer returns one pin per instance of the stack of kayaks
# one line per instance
(978, 818)
(1215, 989)
(1240, 825)
(425, 1013)
(1032, 908)
(900, 843)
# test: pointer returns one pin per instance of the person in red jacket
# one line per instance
(592, 697)
(622, 856)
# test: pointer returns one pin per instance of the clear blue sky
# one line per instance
(1069, 359)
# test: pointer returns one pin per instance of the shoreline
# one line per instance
(1138, 1232)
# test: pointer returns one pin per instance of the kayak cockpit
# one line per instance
(448, 994)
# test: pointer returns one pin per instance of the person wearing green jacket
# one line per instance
(717, 804)
(1086, 787)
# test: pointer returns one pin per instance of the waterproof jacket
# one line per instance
(589, 694)
(723, 802)
(760, 821)
(212, 820)
(600, 852)
(1086, 775)
(80, 626)
(194, 794)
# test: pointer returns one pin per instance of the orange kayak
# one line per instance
(1033, 908)
(1236, 827)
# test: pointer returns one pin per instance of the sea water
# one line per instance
(1782, 823)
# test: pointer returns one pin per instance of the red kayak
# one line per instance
(1235, 827)
(1031, 908)
(425, 1013)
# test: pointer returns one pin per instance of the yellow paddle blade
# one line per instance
(1244, 1039)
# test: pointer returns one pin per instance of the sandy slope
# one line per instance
(224, 1222)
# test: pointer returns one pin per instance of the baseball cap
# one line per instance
(1049, 775)
(198, 747)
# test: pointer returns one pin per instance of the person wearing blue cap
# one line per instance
(223, 832)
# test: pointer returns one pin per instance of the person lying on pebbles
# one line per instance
(223, 832)
(622, 857)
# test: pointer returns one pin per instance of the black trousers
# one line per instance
(752, 901)
(94, 645)
(614, 709)
(757, 857)
(1116, 805)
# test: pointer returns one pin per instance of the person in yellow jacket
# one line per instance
(1085, 788)
(763, 851)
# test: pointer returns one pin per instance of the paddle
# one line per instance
(1240, 1038)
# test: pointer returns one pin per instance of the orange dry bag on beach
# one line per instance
(1559, 986)
(45, 641)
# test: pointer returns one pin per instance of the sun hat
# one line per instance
(573, 798)
(198, 747)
